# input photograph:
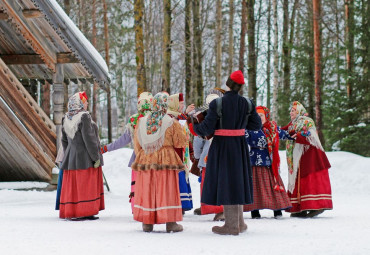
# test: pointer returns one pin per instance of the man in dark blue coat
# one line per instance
(228, 179)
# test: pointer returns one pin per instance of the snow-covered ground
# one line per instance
(30, 225)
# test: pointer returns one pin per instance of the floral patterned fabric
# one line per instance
(144, 104)
(159, 109)
(300, 124)
(259, 154)
(75, 105)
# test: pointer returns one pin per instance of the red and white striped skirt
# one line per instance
(157, 197)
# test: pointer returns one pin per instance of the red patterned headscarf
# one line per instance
(272, 136)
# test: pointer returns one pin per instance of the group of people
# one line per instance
(235, 153)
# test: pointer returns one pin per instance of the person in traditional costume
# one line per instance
(228, 179)
(157, 194)
(268, 188)
(201, 146)
(82, 193)
(309, 186)
(175, 108)
(143, 107)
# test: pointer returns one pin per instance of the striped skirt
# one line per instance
(264, 195)
(82, 193)
(157, 197)
(315, 193)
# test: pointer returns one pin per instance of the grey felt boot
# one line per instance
(147, 227)
(231, 226)
(242, 226)
(173, 227)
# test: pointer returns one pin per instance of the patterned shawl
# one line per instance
(75, 105)
(152, 127)
(306, 127)
(270, 129)
(144, 104)
(75, 111)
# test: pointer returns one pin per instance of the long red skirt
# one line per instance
(82, 193)
(315, 193)
(157, 197)
(264, 195)
(204, 208)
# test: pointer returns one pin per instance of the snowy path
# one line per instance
(29, 224)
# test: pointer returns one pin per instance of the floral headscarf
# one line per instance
(76, 104)
(306, 127)
(153, 126)
(272, 136)
(144, 104)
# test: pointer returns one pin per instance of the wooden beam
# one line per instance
(32, 13)
(35, 59)
(3, 16)
(22, 59)
(66, 57)
(23, 29)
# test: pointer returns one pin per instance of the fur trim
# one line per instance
(145, 167)
(71, 126)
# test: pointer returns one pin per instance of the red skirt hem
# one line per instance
(82, 193)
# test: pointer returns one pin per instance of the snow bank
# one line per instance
(30, 225)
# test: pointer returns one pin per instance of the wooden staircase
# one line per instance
(27, 135)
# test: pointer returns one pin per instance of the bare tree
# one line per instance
(106, 46)
(218, 42)
(139, 46)
(166, 60)
(231, 36)
(252, 58)
(197, 53)
(276, 62)
(349, 16)
(93, 40)
(268, 68)
(318, 80)
(188, 73)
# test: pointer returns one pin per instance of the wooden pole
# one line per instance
(58, 100)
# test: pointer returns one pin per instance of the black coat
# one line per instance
(228, 179)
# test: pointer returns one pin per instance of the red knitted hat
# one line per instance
(181, 97)
(237, 77)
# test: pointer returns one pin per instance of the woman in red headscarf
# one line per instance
(268, 188)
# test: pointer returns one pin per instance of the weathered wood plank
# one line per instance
(28, 155)
(36, 59)
(32, 13)
(28, 35)
(27, 110)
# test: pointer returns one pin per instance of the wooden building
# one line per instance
(39, 44)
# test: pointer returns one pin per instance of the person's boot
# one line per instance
(173, 227)
(242, 226)
(302, 214)
(197, 211)
(231, 226)
(147, 227)
(219, 217)
(313, 213)
(256, 214)
(278, 214)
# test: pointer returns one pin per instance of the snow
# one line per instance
(80, 37)
(30, 225)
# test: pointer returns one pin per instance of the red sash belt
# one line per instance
(230, 132)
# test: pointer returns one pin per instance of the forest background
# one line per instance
(313, 51)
